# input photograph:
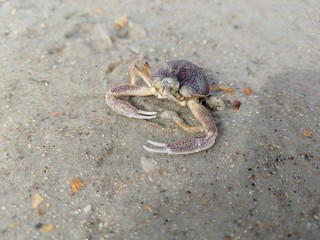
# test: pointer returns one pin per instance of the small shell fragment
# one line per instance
(307, 133)
(54, 114)
(36, 201)
(236, 104)
(46, 228)
(121, 23)
(76, 184)
(247, 91)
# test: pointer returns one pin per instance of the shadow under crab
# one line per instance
(182, 82)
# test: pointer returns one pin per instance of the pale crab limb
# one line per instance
(215, 103)
(146, 69)
(191, 145)
(134, 71)
(180, 122)
(123, 107)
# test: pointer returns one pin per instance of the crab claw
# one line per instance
(191, 145)
(146, 114)
(123, 107)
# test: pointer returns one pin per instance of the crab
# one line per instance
(179, 81)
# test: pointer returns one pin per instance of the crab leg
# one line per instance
(180, 122)
(144, 74)
(123, 107)
(191, 145)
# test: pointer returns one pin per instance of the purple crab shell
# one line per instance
(189, 75)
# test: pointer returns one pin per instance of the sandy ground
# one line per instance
(71, 168)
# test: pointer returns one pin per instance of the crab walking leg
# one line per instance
(191, 145)
(123, 107)
(180, 122)
(146, 69)
(134, 71)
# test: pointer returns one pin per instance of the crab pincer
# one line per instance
(123, 107)
(191, 145)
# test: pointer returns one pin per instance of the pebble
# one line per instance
(87, 208)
